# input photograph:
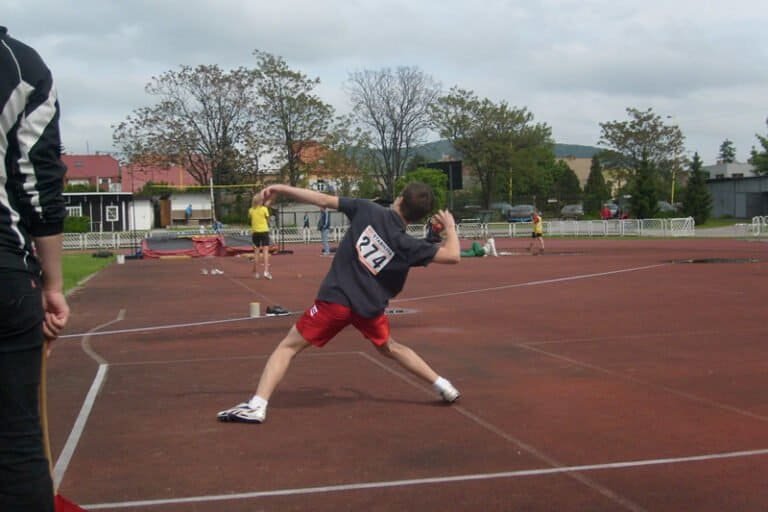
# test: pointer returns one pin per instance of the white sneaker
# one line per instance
(267, 275)
(450, 394)
(243, 413)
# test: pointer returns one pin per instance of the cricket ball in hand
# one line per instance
(437, 227)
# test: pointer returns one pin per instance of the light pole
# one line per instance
(675, 162)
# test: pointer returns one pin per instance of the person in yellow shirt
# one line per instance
(258, 216)
(537, 233)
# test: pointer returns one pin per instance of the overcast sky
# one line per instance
(573, 64)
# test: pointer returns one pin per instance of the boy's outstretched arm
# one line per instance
(301, 195)
(450, 251)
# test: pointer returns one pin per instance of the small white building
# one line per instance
(141, 214)
(201, 206)
(722, 170)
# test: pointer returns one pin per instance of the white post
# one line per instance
(213, 203)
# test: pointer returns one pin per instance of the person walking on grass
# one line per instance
(258, 216)
(537, 233)
(370, 267)
(33, 309)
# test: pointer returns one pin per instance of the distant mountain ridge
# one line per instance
(435, 151)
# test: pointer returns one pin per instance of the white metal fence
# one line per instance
(759, 225)
(567, 228)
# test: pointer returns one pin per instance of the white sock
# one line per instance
(440, 384)
(257, 402)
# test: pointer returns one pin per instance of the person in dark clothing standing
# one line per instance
(324, 226)
(370, 267)
(33, 309)
(305, 233)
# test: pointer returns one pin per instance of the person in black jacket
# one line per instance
(33, 309)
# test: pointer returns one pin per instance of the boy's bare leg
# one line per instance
(278, 362)
(413, 362)
(408, 359)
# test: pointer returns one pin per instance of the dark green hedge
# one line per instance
(77, 224)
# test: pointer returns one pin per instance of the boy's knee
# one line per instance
(385, 349)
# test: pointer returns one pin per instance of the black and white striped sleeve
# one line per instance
(38, 145)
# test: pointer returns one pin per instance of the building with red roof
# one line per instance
(135, 176)
(100, 171)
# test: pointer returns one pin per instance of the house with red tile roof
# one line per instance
(135, 176)
(100, 171)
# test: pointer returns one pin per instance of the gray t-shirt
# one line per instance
(373, 259)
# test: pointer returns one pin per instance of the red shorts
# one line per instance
(320, 323)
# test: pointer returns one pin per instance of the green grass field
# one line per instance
(78, 266)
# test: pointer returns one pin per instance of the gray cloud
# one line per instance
(573, 63)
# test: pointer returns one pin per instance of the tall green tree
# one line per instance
(596, 191)
(530, 177)
(697, 201)
(759, 158)
(494, 139)
(727, 153)
(290, 116)
(565, 183)
(393, 106)
(346, 159)
(643, 140)
(203, 120)
(433, 177)
(645, 200)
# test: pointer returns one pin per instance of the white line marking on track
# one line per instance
(409, 299)
(65, 457)
(174, 326)
(635, 380)
(529, 449)
(300, 491)
(531, 283)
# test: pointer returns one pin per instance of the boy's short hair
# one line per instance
(418, 201)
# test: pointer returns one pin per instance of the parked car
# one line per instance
(612, 209)
(501, 207)
(572, 211)
(665, 207)
(520, 213)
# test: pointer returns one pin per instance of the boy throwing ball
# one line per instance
(370, 267)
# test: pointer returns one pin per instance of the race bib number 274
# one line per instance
(372, 251)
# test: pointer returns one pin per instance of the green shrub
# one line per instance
(77, 224)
